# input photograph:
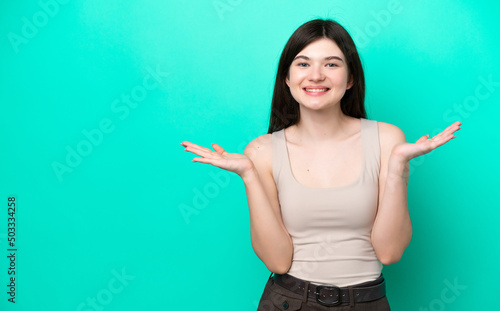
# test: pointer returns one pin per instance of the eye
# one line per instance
(331, 65)
(302, 65)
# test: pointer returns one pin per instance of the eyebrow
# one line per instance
(326, 58)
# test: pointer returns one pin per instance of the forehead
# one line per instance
(321, 48)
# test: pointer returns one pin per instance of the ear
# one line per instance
(350, 83)
(287, 81)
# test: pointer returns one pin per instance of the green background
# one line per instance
(110, 224)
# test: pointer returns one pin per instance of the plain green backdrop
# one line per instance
(96, 97)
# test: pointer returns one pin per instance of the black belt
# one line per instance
(331, 295)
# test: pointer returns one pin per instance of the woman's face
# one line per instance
(318, 76)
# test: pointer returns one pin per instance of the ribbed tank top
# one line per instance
(331, 227)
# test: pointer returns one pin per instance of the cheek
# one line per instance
(340, 79)
(295, 76)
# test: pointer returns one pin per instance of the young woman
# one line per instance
(326, 187)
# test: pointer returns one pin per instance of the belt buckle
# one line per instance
(327, 303)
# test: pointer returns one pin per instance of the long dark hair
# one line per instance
(284, 108)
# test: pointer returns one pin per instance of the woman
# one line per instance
(326, 187)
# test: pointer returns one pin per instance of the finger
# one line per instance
(444, 136)
(213, 161)
(422, 139)
(190, 144)
(201, 151)
(187, 143)
(196, 148)
(445, 140)
(201, 160)
(455, 126)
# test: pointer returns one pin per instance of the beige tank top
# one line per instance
(331, 227)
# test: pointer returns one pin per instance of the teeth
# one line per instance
(316, 90)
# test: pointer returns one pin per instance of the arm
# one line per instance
(392, 229)
(270, 239)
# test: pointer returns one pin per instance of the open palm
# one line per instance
(234, 162)
(423, 145)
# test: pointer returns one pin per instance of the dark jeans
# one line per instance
(276, 297)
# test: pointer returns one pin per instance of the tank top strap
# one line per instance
(279, 149)
(371, 147)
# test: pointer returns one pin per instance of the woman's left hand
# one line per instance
(408, 151)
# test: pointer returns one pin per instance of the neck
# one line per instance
(322, 126)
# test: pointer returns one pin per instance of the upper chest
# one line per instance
(328, 165)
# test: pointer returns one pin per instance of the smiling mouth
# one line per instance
(316, 90)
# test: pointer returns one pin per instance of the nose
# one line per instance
(316, 73)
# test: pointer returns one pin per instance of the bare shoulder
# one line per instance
(260, 152)
(389, 135)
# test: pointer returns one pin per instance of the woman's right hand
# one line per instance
(233, 162)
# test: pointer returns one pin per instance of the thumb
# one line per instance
(422, 139)
(218, 148)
